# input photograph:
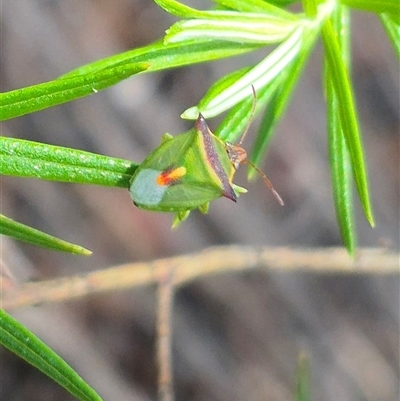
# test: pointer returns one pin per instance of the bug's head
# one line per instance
(236, 154)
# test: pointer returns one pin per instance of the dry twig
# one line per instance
(209, 261)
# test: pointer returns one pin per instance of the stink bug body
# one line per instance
(184, 173)
(188, 171)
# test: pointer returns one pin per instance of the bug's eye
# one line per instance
(236, 154)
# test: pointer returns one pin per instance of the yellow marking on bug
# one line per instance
(169, 177)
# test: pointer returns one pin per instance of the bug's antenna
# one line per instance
(267, 182)
(238, 155)
(253, 108)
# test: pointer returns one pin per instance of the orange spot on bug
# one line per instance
(170, 176)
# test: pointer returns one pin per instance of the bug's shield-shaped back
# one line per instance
(184, 173)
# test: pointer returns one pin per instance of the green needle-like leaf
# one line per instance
(376, 6)
(310, 8)
(302, 392)
(162, 56)
(282, 3)
(259, 76)
(28, 234)
(276, 107)
(225, 82)
(37, 160)
(348, 116)
(19, 340)
(257, 6)
(180, 10)
(28, 159)
(341, 175)
(101, 74)
(393, 30)
(38, 97)
(246, 28)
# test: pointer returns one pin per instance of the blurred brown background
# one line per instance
(236, 336)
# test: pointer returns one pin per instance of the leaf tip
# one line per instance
(79, 250)
(350, 250)
(190, 114)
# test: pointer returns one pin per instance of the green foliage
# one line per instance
(235, 27)
(29, 159)
(338, 151)
(302, 391)
(232, 28)
(22, 342)
(28, 234)
(38, 97)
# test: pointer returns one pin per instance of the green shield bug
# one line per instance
(188, 171)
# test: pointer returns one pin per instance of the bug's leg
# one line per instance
(179, 218)
(166, 137)
(239, 190)
(204, 208)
